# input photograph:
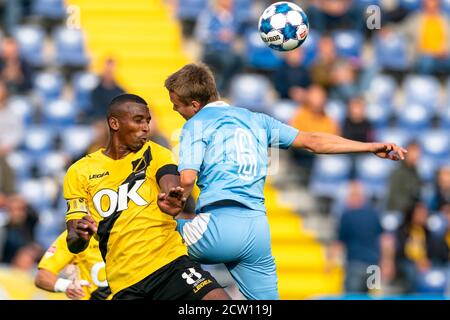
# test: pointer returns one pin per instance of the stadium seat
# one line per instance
(329, 173)
(258, 55)
(243, 10)
(59, 113)
(391, 51)
(69, 47)
(413, 118)
(445, 5)
(22, 163)
(373, 172)
(51, 9)
(348, 44)
(52, 164)
(444, 118)
(336, 109)
(382, 88)
(21, 105)
(283, 110)
(393, 135)
(410, 5)
(379, 114)
(38, 140)
(76, 139)
(437, 224)
(48, 228)
(421, 89)
(39, 192)
(30, 40)
(190, 9)
(427, 167)
(48, 85)
(432, 281)
(251, 91)
(391, 220)
(436, 145)
(370, 2)
(83, 83)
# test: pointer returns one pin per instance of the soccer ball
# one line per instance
(283, 26)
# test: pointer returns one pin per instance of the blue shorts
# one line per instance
(240, 238)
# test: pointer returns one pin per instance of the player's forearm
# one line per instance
(75, 243)
(187, 181)
(45, 280)
(325, 143)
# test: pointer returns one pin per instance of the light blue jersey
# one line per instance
(228, 146)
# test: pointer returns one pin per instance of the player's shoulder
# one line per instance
(157, 148)
(82, 163)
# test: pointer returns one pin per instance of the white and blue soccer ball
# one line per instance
(283, 26)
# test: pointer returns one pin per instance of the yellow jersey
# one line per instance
(136, 237)
(89, 262)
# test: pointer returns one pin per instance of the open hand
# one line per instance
(172, 202)
(389, 151)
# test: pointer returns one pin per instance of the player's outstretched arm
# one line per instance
(325, 143)
(79, 232)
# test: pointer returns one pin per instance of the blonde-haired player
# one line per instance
(90, 283)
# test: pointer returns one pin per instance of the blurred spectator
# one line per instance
(429, 33)
(356, 126)
(11, 133)
(344, 81)
(12, 13)
(311, 117)
(14, 70)
(405, 183)
(106, 90)
(217, 30)
(325, 62)
(441, 196)
(329, 15)
(101, 136)
(292, 78)
(27, 257)
(19, 230)
(359, 238)
(415, 247)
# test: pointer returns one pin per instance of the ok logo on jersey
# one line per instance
(118, 201)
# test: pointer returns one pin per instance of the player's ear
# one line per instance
(196, 105)
(113, 123)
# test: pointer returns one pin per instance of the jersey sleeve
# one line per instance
(192, 147)
(165, 162)
(75, 193)
(57, 256)
(279, 134)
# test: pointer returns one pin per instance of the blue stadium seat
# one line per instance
(382, 88)
(391, 220)
(21, 105)
(251, 91)
(59, 113)
(393, 135)
(76, 139)
(432, 281)
(410, 5)
(30, 40)
(38, 192)
(258, 55)
(243, 10)
(379, 114)
(370, 2)
(49, 85)
(437, 224)
(83, 83)
(421, 89)
(329, 173)
(427, 167)
(391, 51)
(190, 9)
(22, 163)
(52, 164)
(337, 110)
(283, 110)
(52, 9)
(69, 47)
(38, 140)
(49, 227)
(445, 5)
(373, 172)
(348, 44)
(310, 47)
(413, 118)
(435, 144)
(444, 118)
